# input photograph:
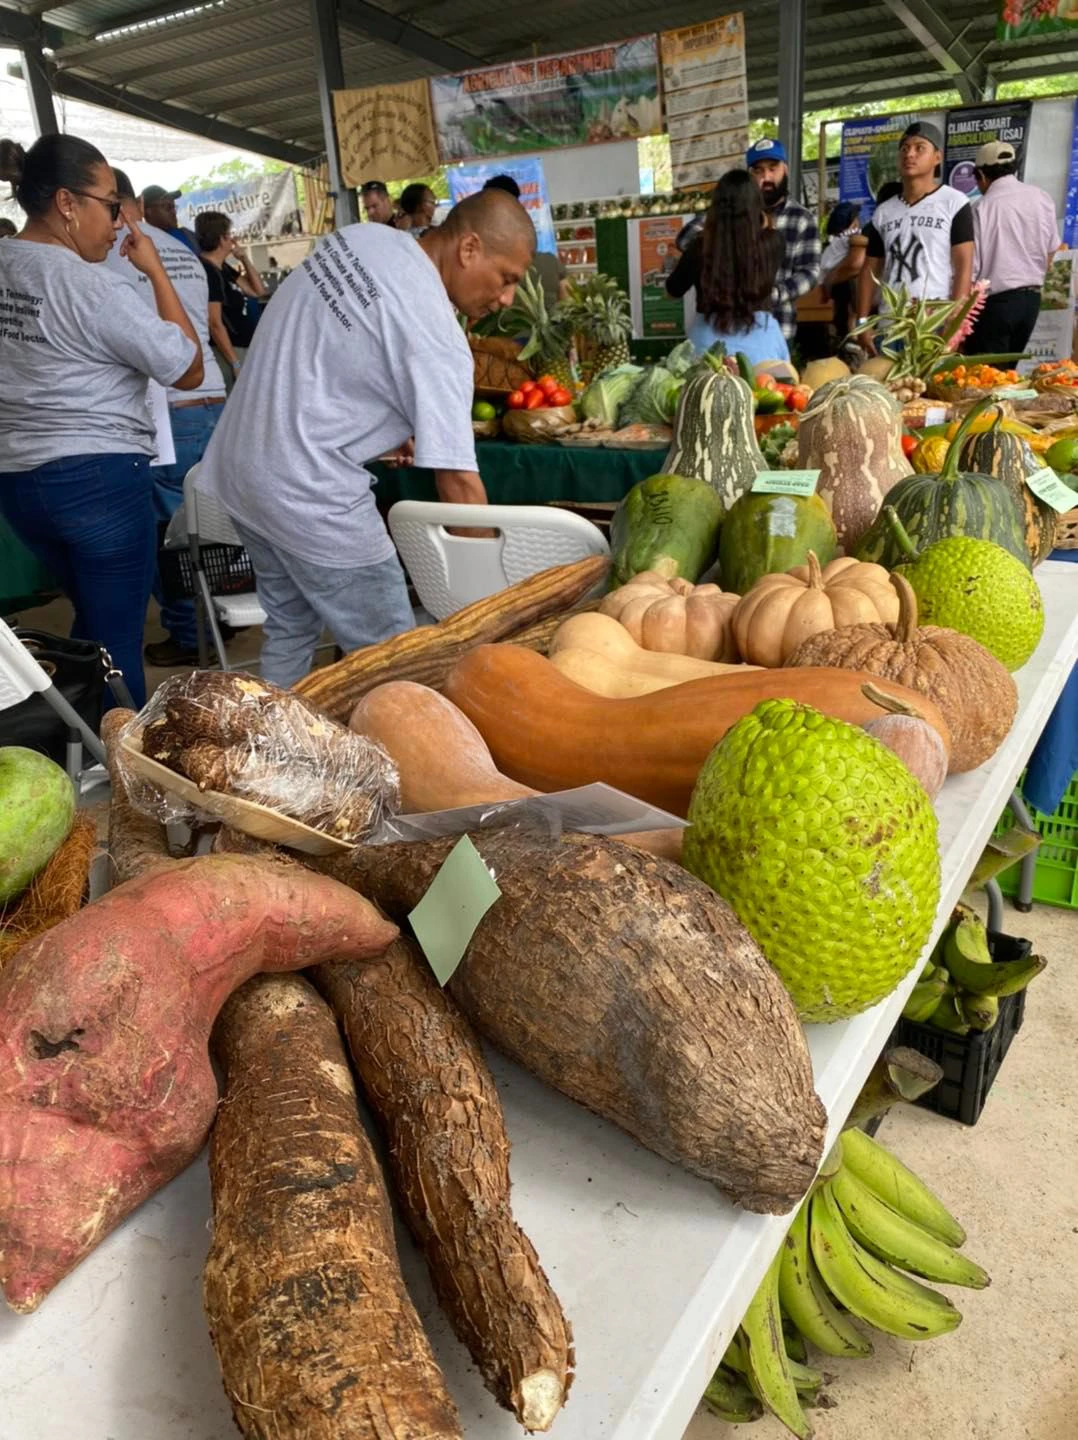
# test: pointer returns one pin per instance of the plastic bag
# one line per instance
(238, 735)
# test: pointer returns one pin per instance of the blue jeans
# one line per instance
(192, 427)
(90, 520)
(358, 606)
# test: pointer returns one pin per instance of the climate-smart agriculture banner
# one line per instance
(972, 126)
(580, 98)
(869, 158)
(1021, 18)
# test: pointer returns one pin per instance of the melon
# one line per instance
(819, 372)
(37, 809)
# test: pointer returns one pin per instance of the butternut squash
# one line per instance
(544, 730)
(609, 640)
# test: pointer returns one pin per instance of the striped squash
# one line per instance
(954, 502)
(1008, 458)
(714, 437)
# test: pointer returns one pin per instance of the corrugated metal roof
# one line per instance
(249, 63)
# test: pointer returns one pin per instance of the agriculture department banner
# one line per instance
(265, 206)
(385, 132)
(972, 126)
(1019, 19)
(706, 95)
(529, 174)
(869, 158)
(580, 98)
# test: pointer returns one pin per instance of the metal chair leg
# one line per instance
(1023, 901)
(995, 905)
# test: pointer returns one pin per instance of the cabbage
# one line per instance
(654, 398)
(607, 393)
(681, 359)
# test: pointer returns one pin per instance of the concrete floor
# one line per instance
(1010, 1371)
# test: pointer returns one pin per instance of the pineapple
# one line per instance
(547, 346)
(597, 310)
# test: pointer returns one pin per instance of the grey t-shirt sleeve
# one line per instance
(438, 380)
(127, 331)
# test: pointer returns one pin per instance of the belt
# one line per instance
(1015, 290)
(190, 404)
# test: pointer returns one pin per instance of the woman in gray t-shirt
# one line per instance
(76, 347)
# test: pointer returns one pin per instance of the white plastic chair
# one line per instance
(451, 571)
(21, 676)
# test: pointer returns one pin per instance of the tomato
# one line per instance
(797, 400)
(534, 400)
(516, 400)
(527, 387)
(909, 445)
(547, 384)
(560, 396)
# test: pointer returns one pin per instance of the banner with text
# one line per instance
(972, 126)
(1070, 223)
(257, 208)
(869, 158)
(385, 132)
(1018, 19)
(580, 98)
(1053, 334)
(706, 94)
(529, 174)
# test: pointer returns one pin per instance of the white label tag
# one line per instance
(1047, 486)
(449, 913)
(1014, 392)
(786, 482)
(936, 415)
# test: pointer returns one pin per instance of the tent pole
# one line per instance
(329, 70)
(792, 17)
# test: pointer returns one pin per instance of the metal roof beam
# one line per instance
(199, 26)
(358, 15)
(177, 118)
(966, 71)
(131, 74)
(201, 87)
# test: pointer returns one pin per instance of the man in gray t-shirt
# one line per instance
(360, 353)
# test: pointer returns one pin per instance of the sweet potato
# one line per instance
(316, 1336)
(106, 1090)
(423, 1075)
(633, 988)
(136, 841)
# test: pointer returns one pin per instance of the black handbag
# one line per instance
(80, 670)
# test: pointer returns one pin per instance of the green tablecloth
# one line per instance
(532, 474)
(22, 576)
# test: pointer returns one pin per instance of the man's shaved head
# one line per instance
(482, 251)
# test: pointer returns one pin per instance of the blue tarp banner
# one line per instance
(528, 172)
(1070, 223)
(869, 158)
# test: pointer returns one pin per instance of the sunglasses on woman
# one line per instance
(112, 206)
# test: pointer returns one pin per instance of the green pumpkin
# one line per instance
(714, 433)
(669, 524)
(954, 502)
(765, 534)
(1008, 458)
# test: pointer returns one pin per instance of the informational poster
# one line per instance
(972, 126)
(869, 158)
(707, 99)
(653, 254)
(261, 207)
(1070, 222)
(465, 180)
(580, 98)
(385, 132)
(1018, 19)
(1053, 334)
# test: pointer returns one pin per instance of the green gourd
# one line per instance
(668, 524)
(954, 502)
(1008, 458)
(714, 434)
(771, 533)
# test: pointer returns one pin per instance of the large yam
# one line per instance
(314, 1331)
(631, 987)
(424, 1076)
(106, 1087)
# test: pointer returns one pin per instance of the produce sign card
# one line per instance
(1047, 486)
(705, 91)
(579, 98)
(446, 918)
(786, 482)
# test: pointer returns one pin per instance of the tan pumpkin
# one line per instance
(674, 617)
(780, 612)
(974, 692)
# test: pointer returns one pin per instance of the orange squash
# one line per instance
(674, 617)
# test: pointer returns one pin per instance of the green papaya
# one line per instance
(764, 534)
(669, 524)
(37, 809)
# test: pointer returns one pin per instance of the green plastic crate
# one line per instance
(1055, 880)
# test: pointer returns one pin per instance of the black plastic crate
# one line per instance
(228, 570)
(970, 1062)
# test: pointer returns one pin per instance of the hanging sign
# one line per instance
(529, 174)
(264, 206)
(706, 94)
(579, 98)
(869, 158)
(1018, 19)
(972, 126)
(385, 132)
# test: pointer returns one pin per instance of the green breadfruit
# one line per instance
(825, 846)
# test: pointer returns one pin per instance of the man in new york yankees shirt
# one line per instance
(921, 240)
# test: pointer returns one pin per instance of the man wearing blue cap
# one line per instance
(801, 267)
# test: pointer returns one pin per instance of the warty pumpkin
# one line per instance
(1008, 457)
(973, 691)
(714, 435)
(851, 432)
(675, 617)
(780, 612)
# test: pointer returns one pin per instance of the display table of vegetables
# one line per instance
(680, 1021)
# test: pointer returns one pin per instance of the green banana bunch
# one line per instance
(903, 1191)
(769, 1372)
(959, 989)
(728, 1397)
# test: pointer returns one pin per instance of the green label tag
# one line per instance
(446, 918)
(1013, 392)
(1047, 486)
(786, 482)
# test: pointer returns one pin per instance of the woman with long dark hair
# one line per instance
(77, 345)
(732, 265)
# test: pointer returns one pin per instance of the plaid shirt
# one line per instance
(801, 266)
